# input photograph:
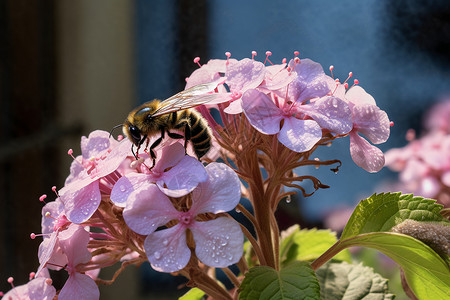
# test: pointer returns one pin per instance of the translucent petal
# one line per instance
(299, 135)
(167, 250)
(80, 203)
(96, 144)
(220, 193)
(330, 113)
(182, 178)
(372, 122)
(73, 242)
(126, 185)
(245, 74)
(147, 209)
(358, 96)
(261, 112)
(368, 157)
(79, 286)
(219, 242)
(310, 81)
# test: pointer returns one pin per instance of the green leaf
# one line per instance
(307, 244)
(351, 282)
(381, 212)
(296, 281)
(193, 294)
(427, 274)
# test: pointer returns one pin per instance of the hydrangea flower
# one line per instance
(101, 157)
(298, 132)
(373, 123)
(53, 222)
(40, 288)
(73, 243)
(218, 242)
(175, 173)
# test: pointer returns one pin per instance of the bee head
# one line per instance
(132, 132)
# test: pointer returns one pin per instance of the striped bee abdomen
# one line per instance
(200, 133)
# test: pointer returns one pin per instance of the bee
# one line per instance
(175, 113)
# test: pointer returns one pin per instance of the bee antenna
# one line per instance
(114, 128)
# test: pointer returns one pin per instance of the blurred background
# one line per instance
(70, 67)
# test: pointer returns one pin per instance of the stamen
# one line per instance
(391, 123)
(196, 61)
(268, 53)
(296, 53)
(284, 60)
(31, 275)
(349, 75)
(331, 70)
(42, 198)
(355, 82)
(228, 54)
(10, 281)
(254, 54)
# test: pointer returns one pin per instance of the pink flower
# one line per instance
(175, 173)
(373, 123)
(218, 242)
(53, 222)
(241, 76)
(298, 132)
(73, 243)
(40, 288)
(101, 157)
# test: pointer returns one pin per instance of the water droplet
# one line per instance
(157, 255)
(122, 188)
(288, 199)
(165, 242)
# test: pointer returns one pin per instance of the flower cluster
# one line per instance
(424, 163)
(114, 207)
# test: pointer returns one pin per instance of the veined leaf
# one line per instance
(296, 281)
(307, 244)
(381, 212)
(351, 282)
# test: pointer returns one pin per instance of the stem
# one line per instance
(255, 245)
(329, 254)
(232, 277)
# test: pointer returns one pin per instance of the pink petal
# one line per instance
(182, 178)
(79, 286)
(277, 77)
(147, 209)
(219, 242)
(167, 250)
(80, 203)
(245, 74)
(261, 112)
(96, 144)
(372, 122)
(73, 242)
(310, 81)
(49, 252)
(220, 193)
(358, 96)
(299, 135)
(366, 156)
(126, 185)
(55, 208)
(235, 107)
(330, 113)
(40, 289)
(169, 156)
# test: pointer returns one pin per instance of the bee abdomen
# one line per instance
(200, 134)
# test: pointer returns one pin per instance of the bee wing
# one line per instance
(192, 97)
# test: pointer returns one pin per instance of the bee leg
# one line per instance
(187, 133)
(155, 143)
